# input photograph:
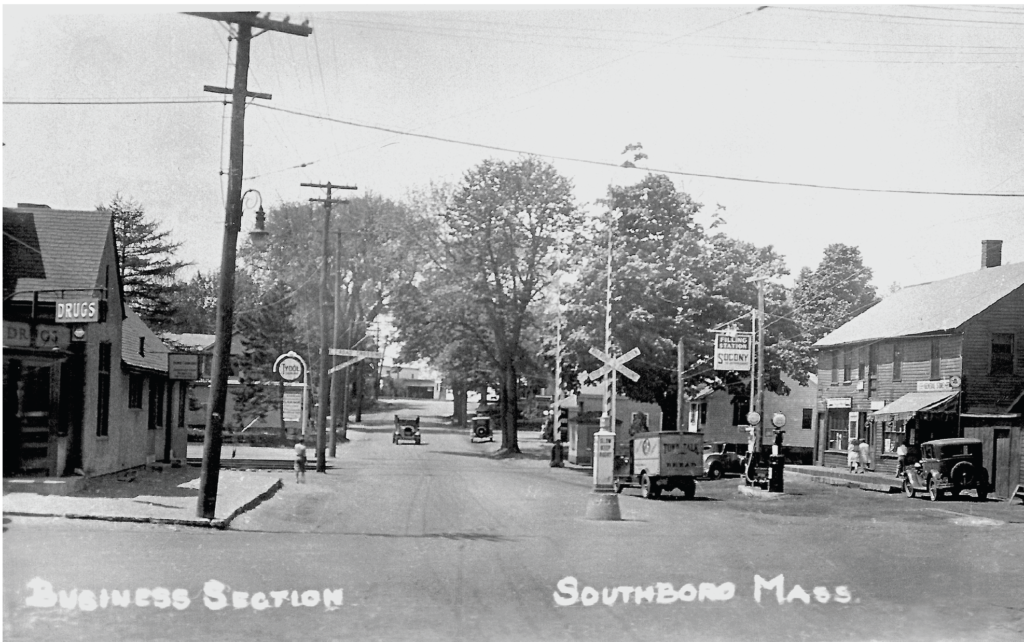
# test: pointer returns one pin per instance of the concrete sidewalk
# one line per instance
(237, 492)
(879, 482)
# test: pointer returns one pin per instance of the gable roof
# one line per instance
(48, 249)
(198, 342)
(939, 306)
(133, 328)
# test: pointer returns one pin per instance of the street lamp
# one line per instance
(259, 234)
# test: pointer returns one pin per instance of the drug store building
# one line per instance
(85, 390)
(931, 361)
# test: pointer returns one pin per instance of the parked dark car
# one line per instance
(481, 428)
(947, 465)
(721, 458)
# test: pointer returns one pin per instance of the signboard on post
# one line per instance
(733, 351)
(292, 406)
(78, 311)
(182, 366)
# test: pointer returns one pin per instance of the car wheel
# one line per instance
(689, 489)
(417, 441)
(908, 489)
(715, 471)
(933, 491)
(646, 487)
(617, 487)
(982, 493)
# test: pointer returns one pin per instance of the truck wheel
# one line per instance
(933, 491)
(715, 471)
(646, 487)
(617, 487)
(982, 493)
(908, 488)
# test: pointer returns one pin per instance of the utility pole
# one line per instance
(336, 376)
(213, 437)
(324, 385)
(682, 423)
(760, 361)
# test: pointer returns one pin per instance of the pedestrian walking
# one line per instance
(865, 455)
(852, 456)
(901, 458)
(300, 462)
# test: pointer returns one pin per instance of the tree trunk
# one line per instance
(509, 410)
(360, 385)
(460, 404)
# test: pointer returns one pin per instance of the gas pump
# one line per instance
(776, 461)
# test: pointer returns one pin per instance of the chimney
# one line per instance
(991, 254)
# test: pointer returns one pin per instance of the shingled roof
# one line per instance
(939, 306)
(153, 356)
(48, 249)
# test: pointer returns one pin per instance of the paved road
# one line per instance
(441, 542)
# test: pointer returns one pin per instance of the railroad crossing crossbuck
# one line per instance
(613, 363)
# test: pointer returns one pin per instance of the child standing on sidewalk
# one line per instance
(300, 462)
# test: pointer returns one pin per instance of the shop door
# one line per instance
(1002, 458)
(38, 397)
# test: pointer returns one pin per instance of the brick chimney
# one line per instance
(991, 254)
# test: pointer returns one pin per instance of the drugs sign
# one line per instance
(733, 351)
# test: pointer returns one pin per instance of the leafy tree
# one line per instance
(671, 280)
(495, 236)
(833, 294)
(148, 266)
(195, 302)
(267, 332)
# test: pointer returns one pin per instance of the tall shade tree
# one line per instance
(496, 239)
(670, 281)
(148, 266)
(833, 294)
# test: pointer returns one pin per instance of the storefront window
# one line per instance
(894, 432)
(838, 429)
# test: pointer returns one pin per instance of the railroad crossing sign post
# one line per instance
(604, 440)
(357, 356)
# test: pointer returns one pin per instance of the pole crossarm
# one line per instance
(253, 20)
(614, 363)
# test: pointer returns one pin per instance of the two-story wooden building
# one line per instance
(85, 381)
(935, 360)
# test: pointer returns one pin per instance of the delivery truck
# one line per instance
(661, 461)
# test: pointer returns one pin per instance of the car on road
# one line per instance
(721, 458)
(406, 429)
(947, 465)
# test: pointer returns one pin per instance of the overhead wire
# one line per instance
(511, 150)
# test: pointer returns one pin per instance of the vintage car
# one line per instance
(407, 429)
(721, 458)
(947, 465)
(481, 428)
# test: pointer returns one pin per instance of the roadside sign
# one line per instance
(362, 354)
(292, 406)
(289, 368)
(614, 363)
(183, 366)
(733, 351)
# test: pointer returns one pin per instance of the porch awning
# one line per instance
(910, 404)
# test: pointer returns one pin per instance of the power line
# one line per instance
(497, 148)
(116, 101)
(866, 14)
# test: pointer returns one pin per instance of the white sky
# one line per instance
(831, 95)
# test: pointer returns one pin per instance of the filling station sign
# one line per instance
(733, 351)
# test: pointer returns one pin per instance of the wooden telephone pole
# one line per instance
(323, 386)
(245, 22)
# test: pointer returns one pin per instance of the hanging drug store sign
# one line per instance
(78, 311)
(733, 351)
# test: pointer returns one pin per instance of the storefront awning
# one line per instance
(913, 403)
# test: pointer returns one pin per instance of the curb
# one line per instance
(848, 483)
(199, 522)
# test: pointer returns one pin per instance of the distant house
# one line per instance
(406, 381)
(935, 360)
(86, 390)
(721, 416)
